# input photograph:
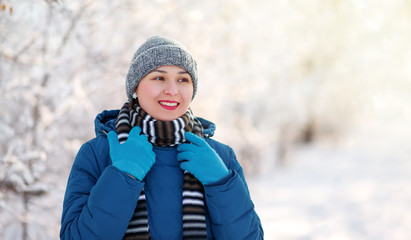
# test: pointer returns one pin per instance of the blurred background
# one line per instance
(312, 95)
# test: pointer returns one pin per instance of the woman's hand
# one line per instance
(201, 160)
(135, 156)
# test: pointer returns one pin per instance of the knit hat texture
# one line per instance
(156, 52)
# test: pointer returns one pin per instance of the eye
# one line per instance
(159, 78)
(184, 80)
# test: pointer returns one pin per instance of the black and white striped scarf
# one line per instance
(166, 134)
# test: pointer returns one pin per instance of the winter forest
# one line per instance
(313, 96)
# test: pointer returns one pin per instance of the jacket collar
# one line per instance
(208, 127)
(105, 122)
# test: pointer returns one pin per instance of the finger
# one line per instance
(135, 131)
(185, 166)
(194, 138)
(184, 156)
(186, 147)
(144, 137)
(112, 139)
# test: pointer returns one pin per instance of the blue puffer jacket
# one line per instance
(100, 199)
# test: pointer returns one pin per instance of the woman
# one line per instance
(153, 171)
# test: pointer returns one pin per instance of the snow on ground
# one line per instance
(360, 189)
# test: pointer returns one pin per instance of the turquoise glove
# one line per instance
(201, 160)
(135, 156)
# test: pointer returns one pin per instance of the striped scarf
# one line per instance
(166, 134)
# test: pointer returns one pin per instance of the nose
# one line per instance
(171, 88)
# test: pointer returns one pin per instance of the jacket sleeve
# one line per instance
(99, 201)
(230, 206)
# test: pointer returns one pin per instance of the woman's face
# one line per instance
(165, 93)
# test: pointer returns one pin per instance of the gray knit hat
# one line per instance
(156, 52)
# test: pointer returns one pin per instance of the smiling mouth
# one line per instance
(168, 105)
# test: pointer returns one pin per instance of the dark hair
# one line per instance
(133, 103)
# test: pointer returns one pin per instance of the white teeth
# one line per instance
(169, 104)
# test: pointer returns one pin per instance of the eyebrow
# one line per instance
(162, 71)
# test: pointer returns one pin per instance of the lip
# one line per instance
(169, 102)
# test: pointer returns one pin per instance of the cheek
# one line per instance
(188, 93)
(146, 91)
